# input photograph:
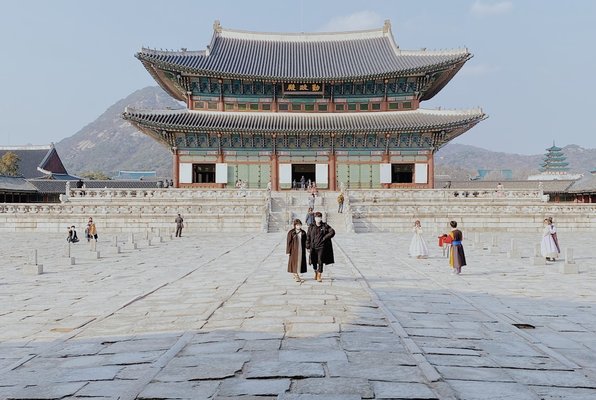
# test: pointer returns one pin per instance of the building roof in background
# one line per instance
(36, 161)
(16, 184)
(57, 186)
(586, 184)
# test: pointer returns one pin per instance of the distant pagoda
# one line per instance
(554, 166)
(554, 161)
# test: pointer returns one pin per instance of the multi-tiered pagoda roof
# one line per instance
(554, 161)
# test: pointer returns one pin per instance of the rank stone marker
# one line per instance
(569, 267)
(538, 259)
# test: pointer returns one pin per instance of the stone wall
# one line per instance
(141, 210)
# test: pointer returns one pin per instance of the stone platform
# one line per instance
(216, 316)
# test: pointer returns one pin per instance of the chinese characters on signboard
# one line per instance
(303, 88)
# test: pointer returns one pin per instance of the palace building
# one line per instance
(335, 108)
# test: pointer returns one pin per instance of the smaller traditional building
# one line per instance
(38, 162)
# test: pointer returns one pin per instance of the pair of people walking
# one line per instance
(317, 240)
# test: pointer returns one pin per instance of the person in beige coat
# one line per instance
(296, 249)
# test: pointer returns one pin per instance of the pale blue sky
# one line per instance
(534, 67)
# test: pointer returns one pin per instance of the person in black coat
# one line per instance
(318, 241)
(296, 249)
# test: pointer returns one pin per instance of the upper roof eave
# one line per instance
(431, 68)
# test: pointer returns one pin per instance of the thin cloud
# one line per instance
(360, 20)
(483, 9)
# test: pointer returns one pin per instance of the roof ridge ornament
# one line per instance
(387, 26)
(217, 26)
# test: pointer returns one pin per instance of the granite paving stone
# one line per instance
(217, 316)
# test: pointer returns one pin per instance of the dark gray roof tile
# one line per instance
(304, 57)
(390, 121)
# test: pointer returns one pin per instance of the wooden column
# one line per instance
(431, 170)
(220, 104)
(274, 172)
(220, 159)
(189, 104)
(332, 172)
(176, 167)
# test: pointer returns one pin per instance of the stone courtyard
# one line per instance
(216, 316)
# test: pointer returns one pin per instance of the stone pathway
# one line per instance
(215, 316)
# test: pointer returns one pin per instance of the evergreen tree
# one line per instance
(9, 164)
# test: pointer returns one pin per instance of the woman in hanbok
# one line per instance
(457, 257)
(296, 249)
(418, 246)
(549, 246)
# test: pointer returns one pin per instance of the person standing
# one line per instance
(457, 257)
(318, 241)
(549, 246)
(179, 225)
(418, 246)
(296, 249)
(302, 183)
(340, 203)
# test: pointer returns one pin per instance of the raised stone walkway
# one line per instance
(216, 316)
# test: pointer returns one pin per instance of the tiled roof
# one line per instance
(303, 56)
(32, 157)
(56, 186)
(16, 184)
(586, 184)
(271, 122)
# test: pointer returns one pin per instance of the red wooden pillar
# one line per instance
(274, 171)
(431, 170)
(189, 103)
(176, 167)
(332, 172)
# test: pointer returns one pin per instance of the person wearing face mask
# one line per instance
(296, 249)
(318, 241)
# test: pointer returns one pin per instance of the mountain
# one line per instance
(460, 161)
(110, 144)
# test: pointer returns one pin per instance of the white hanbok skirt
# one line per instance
(418, 246)
(548, 247)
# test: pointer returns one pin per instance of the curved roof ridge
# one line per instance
(161, 52)
(445, 52)
(384, 31)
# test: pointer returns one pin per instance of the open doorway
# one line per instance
(308, 171)
(402, 173)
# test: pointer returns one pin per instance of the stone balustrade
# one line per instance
(107, 194)
(127, 210)
(122, 210)
(517, 210)
(382, 195)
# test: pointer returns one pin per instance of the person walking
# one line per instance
(340, 203)
(418, 246)
(91, 230)
(318, 242)
(179, 225)
(549, 245)
(296, 249)
(457, 257)
(310, 217)
(311, 201)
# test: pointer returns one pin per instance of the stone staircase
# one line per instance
(287, 206)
